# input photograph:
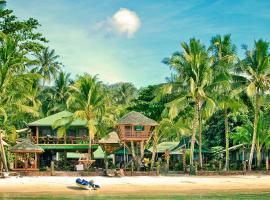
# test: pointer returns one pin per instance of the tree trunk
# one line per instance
(256, 107)
(244, 160)
(227, 139)
(141, 153)
(90, 144)
(267, 160)
(3, 154)
(134, 157)
(184, 159)
(193, 137)
(259, 157)
(155, 143)
(200, 137)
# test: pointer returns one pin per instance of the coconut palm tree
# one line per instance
(48, 64)
(227, 100)
(243, 134)
(15, 81)
(88, 102)
(166, 129)
(192, 67)
(256, 68)
(55, 97)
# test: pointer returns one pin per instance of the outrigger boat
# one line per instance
(88, 185)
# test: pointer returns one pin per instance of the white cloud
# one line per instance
(124, 21)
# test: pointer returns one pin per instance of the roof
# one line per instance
(136, 118)
(74, 155)
(27, 147)
(161, 148)
(111, 138)
(50, 120)
(126, 151)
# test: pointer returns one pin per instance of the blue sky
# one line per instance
(84, 34)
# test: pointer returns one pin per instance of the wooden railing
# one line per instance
(62, 140)
(135, 135)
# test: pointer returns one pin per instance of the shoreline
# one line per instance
(147, 186)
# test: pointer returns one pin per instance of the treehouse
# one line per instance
(136, 127)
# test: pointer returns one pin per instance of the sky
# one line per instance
(126, 40)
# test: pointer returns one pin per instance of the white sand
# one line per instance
(133, 185)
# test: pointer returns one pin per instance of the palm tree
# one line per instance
(15, 81)
(256, 68)
(164, 130)
(125, 92)
(243, 134)
(88, 101)
(192, 67)
(48, 66)
(58, 94)
(224, 57)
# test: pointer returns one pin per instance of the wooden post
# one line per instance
(37, 133)
(3, 153)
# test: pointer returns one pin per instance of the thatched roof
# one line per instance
(26, 147)
(136, 118)
(111, 138)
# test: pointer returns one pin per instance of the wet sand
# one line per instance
(135, 185)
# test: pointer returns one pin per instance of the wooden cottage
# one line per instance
(26, 156)
(134, 126)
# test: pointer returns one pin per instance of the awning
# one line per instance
(74, 155)
(67, 146)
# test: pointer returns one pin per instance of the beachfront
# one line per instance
(142, 185)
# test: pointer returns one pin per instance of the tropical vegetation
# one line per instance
(213, 95)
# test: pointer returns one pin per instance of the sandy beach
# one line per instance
(135, 185)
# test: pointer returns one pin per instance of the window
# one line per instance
(139, 128)
(82, 132)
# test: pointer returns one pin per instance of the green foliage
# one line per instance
(145, 103)
(218, 153)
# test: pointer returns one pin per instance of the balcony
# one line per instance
(134, 135)
(62, 140)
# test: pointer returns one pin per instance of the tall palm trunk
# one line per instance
(255, 122)
(155, 143)
(3, 155)
(226, 139)
(266, 160)
(134, 157)
(194, 129)
(90, 143)
(200, 138)
(259, 157)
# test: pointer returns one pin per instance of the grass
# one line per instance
(225, 196)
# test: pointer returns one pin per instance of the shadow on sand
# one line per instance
(75, 188)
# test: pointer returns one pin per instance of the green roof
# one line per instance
(161, 148)
(136, 118)
(68, 146)
(74, 155)
(65, 116)
(126, 151)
